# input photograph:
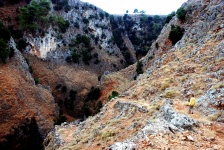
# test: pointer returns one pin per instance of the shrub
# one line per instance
(86, 56)
(60, 4)
(176, 34)
(76, 25)
(113, 95)
(97, 61)
(181, 14)
(169, 17)
(4, 52)
(68, 103)
(85, 20)
(86, 110)
(157, 45)
(64, 89)
(101, 15)
(75, 57)
(11, 52)
(139, 69)
(62, 24)
(21, 45)
(72, 94)
(99, 77)
(60, 120)
(103, 36)
(27, 60)
(30, 16)
(5, 34)
(83, 39)
(36, 80)
(30, 69)
(93, 94)
(156, 18)
(99, 106)
(69, 59)
(58, 86)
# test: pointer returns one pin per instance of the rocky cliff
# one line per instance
(151, 111)
(61, 48)
(23, 104)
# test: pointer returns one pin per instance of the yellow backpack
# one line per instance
(192, 101)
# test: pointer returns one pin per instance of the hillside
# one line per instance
(151, 111)
(53, 55)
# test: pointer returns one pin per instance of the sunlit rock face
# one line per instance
(41, 46)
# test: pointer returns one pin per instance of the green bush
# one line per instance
(139, 69)
(99, 106)
(27, 60)
(60, 4)
(176, 34)
(157, 45)
(75, 57)
(169, 17)
(83, 39)
(5, 33)
(36, 80)
(64, 89)
(68, 103)
(181, 14)
(4, 52)
(11, 52)
(21, 45)
(72, 94)
(93, 94)
(114, 94)
(62, 24)
(76, 25)
(84, 51)
(69, 59)
(60, 120)
(86, 56)
(99, 77)
(97, 61)
(30, 17)
(30, 69)
(85, 20)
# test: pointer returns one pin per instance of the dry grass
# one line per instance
(169, 94)
(218, 85)
(105, 135)
(214, 117)
(204, 68)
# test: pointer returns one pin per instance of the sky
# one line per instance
(152, 7)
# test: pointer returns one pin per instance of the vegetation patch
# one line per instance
(5, 51)
(176, 34)
(169, 94)
(60, 120)
(81, 48)
(105, 135)
(34, 15)
(181, 14)
(113, 95)
(170, 16)
(139, 69)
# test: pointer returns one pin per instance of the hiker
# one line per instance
(191, 104)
